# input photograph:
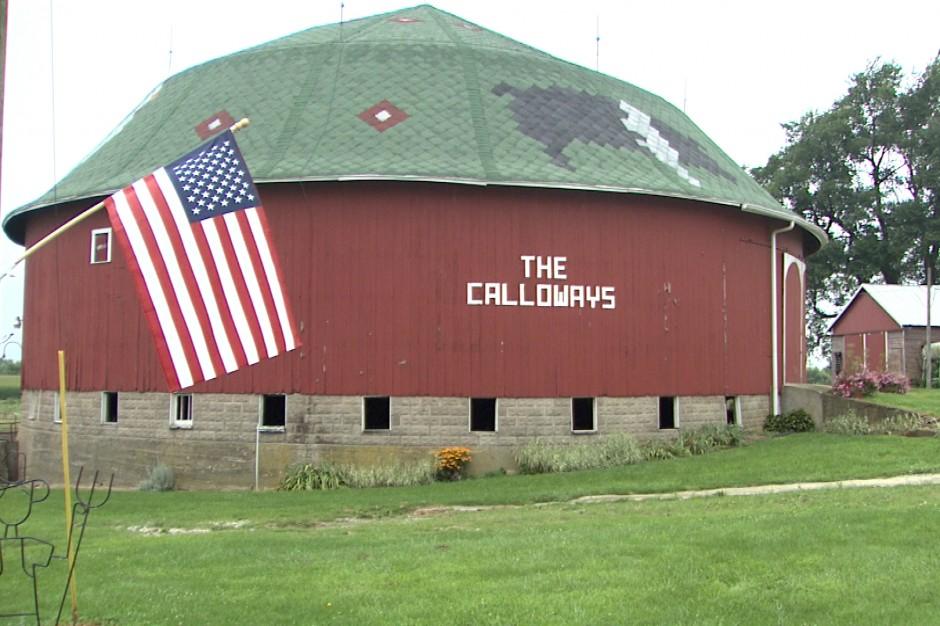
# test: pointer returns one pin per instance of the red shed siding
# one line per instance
(864, 315)
(378, 272)
(875, 351)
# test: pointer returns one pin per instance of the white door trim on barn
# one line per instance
(788, 261)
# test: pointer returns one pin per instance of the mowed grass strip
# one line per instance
(794, 458)
(841, 556)
(925, 401)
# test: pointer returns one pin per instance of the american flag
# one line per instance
(196, 239)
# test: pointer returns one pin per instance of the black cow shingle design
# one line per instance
(556, 116)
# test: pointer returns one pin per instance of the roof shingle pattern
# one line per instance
(481, 108)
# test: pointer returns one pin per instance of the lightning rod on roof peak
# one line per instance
(597, 45)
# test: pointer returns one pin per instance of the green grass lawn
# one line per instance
(9, 397)
(925, 401)
(842, 556)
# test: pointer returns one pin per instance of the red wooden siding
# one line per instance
(377, 274)
(863, 315)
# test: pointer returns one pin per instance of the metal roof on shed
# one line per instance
(905, 304)
(420, 94)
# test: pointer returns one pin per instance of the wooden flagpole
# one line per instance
(237, 126)
(68, 485)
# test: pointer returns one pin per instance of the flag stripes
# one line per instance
(211, 288)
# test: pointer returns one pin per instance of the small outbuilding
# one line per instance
(883, 328)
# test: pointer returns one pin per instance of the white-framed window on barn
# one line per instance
(56, 415)
(483, 415)
(583, 415)
(668, 412)
(109, 407)
(733, 410)
(273, 413)
(181, 410)
(100, 246)
(376, 413)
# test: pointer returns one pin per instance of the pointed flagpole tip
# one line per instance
(240, 124)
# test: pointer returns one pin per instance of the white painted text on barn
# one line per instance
(558, 293)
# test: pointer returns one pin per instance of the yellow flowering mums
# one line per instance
(451, 461)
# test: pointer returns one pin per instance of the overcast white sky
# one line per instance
(739, 68)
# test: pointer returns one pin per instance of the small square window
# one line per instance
(582, 415)
(101, 245)
(273, 411)
(732, 411)
(376, 413)
(667, 412)
(181, 410)
(483, 414)
(109, 407)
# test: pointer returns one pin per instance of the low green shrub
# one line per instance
(848, 424)
(161, 478)
(797, 421)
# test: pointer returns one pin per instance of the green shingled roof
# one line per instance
(420, 94)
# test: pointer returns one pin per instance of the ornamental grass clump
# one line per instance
(539, 457)
(323, 476)
(847, 424)
(451, 462)
(405, 474)
(161, 478)
(310, 477)
(901, 424)
(708, 437)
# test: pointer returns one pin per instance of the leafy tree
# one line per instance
(867, 172)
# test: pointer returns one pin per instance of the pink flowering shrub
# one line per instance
(864, 383)
(890, 382)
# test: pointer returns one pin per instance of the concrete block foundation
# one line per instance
(217, 449)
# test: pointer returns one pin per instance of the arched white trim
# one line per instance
(788, 261)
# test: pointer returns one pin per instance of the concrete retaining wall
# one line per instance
(822, 405)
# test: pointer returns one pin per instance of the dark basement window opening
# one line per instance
(109, 407)
(483, 414)
(731, 410)
(582, 415)
(376, 414)
(667, 412)
(273, 411)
